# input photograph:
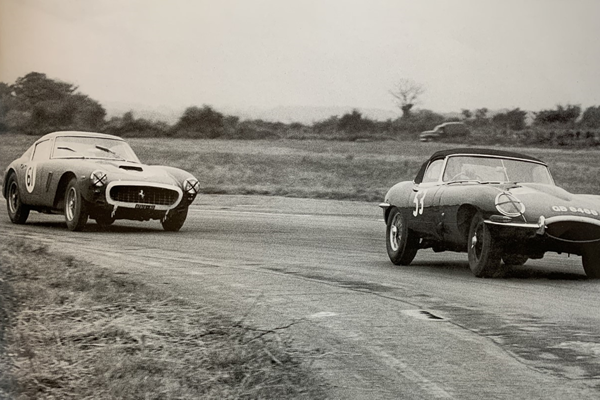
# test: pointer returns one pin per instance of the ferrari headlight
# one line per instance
(98, 178)
(509, 205)
(191, 186)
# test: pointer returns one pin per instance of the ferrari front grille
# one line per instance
(144, 195)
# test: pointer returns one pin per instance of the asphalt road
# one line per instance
(427, 331)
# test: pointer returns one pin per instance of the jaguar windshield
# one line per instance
(495, 169)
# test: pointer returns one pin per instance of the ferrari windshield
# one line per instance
(495, 169)
(93, 147)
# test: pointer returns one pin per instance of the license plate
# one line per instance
(145, 206)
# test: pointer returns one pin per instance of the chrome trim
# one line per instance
(573, 218)
(483, 155)
(385, 205)
(513, 224)
(544, 222)
(157, 207)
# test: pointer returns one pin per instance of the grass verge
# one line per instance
(74, 331)
(318, 168)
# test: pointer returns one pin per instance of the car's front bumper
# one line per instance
(563, 233)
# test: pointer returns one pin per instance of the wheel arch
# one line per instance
(59, 196)
(464, 215)
(386, 213)
(7, 175)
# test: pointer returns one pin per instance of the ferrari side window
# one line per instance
(41, 151)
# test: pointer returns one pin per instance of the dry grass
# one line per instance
(318, 168)
(73, 331)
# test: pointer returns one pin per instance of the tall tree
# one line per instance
(35, 87)
(200, 122)
(38, 104)
(562, 115)
(406, 94)
(591, 117)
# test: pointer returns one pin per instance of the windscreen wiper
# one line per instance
(106, 149)
(69, 149)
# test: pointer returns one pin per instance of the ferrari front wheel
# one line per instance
(104, 219)
(402, 245)
(76, 210)
(591, 262)
(17, 211)
(173, 221)
(484, 252)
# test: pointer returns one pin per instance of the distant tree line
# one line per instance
(35, 105)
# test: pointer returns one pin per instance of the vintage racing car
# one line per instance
(85, 174)
(496, 206)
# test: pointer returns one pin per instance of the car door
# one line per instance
(35, 177)
(425, 200)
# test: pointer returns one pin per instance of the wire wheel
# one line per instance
(484, 252)
(17, 211)
(76, 210)
(402, 244)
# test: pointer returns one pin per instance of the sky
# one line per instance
(467, 54)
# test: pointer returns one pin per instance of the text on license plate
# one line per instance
(145, 206)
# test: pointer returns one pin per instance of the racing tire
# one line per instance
(484, 252)
(17, 211)
(104, 219)
(76, 207)
(174, 220)
(514, 259)
(591, 262)
(402, 245)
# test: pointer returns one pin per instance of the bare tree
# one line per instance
(406, 93)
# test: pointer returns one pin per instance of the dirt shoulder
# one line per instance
(75, 331)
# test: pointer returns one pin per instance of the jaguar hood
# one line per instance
(552, 201)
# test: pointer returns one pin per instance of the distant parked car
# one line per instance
(447, 129)
(494, 205)
(84, 174)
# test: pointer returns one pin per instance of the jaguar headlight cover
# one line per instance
(191, 186)
(508, 204)
(98, 178)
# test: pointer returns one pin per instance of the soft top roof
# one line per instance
(471, 151)
(482, 152)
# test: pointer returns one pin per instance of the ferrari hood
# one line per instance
(128, 171)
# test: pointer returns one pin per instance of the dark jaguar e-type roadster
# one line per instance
(496, 206)
(84, 174)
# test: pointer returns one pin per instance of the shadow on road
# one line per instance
(95, 228)
(508, 272)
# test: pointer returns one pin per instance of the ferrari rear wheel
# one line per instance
(76, 210)
(174, 220)
(591, 262)
(402, 245)
(17, 211)
(484, 252)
